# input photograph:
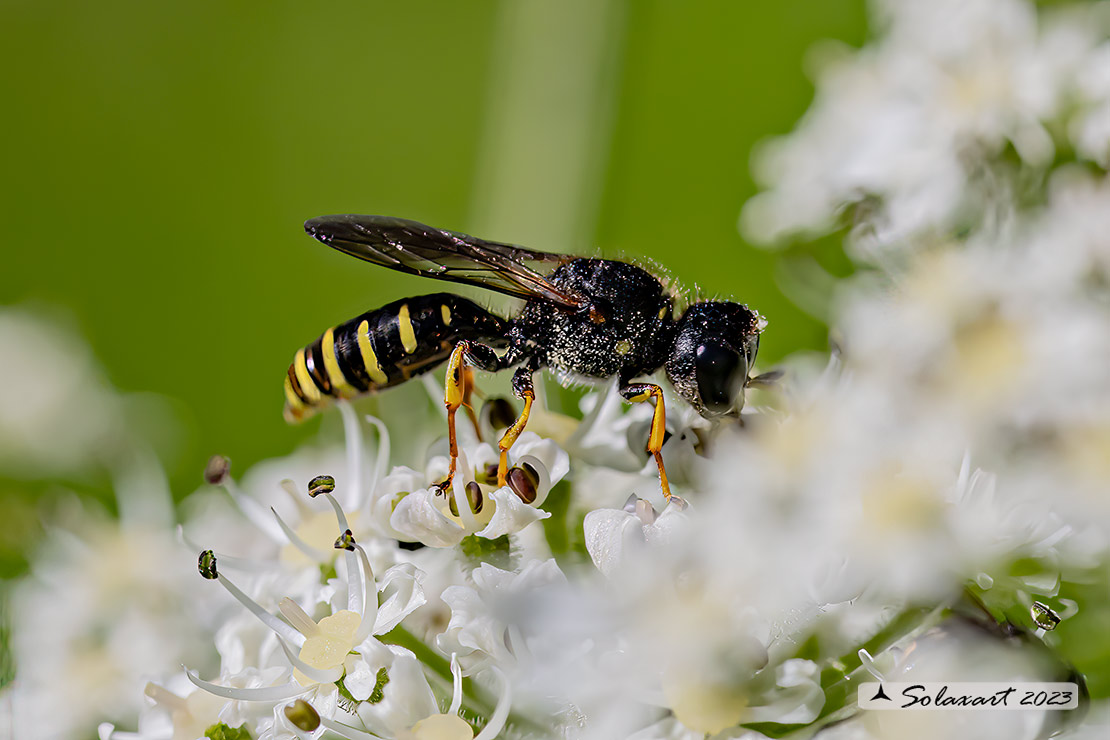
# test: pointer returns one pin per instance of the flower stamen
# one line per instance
(209, 571)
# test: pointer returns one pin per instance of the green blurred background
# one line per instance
(161, 158)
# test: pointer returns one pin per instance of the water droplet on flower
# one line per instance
(868, 664)
(524, 480)
(1043, 616)
(206, 564)
(321, 484)
(984, 581)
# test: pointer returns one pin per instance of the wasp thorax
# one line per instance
(321, 484)
(714, 350)
(524, 481)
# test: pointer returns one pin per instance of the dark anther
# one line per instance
(488, 474)
(346, 541)
(500, 412)
(1043, 615)
(302, 716)
(524, 480)
(321, 484)
(216, 470)
(206, 564)
(473, 497)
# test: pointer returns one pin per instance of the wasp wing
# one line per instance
(412, 247)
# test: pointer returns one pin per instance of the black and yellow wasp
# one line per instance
(583, 317)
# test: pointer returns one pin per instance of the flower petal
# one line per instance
(405, 595)
(359, 677)
(418, 518)
(388, 494)
(798, 697)
(609, 534)
(406, 699)
(511, 514)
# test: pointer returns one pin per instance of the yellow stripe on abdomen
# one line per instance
(331, 366)
(404, 323)
(294, 406)
(369, 359)
(304, 379)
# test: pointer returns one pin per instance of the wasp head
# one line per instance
(714, 350)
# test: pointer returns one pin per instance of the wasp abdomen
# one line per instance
(382, 348)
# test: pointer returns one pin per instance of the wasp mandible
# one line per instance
(583, 317)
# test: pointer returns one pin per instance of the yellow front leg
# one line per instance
(522, 387)
(454, 394)
(639, 393)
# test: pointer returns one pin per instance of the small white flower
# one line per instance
(615, 536)
(58, 414)
(322, 651)
(107, 605)
(910, 132)
(411, 508)
(484, 627)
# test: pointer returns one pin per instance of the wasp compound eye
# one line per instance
(525, 482)
(321, 484)
(720, 375)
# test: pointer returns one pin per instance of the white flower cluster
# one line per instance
(109, 598)
(821, 526)
(918, 133)
(924, 504)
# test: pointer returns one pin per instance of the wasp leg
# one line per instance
(638, 393)
(456, 393)
(468, 390)
(453, 398)
(522, 388)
